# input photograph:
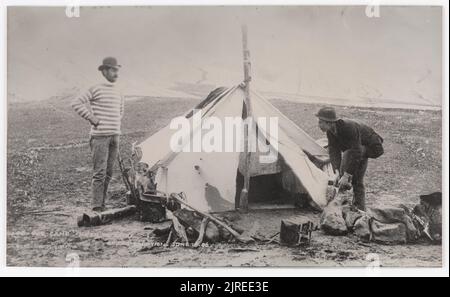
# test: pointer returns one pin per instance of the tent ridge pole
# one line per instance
(243, 201)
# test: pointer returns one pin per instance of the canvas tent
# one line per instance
(210, 180)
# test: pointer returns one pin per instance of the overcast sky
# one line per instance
(322, 51)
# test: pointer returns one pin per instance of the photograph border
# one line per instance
(235, 272)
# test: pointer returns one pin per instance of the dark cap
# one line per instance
(109, 62)
(327, 114)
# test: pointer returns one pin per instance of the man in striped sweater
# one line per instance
(103, 106)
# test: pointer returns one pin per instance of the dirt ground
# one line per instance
(49, 170)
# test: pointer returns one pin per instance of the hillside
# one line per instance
(304, 53)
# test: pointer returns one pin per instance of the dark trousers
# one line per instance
(359, 190)
(373, 151)
(105, 150)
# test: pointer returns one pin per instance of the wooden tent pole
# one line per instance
(243, 201)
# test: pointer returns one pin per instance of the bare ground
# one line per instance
(49, 180)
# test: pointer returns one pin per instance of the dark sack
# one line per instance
(374, 148)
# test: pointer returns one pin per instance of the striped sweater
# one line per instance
(103, 102)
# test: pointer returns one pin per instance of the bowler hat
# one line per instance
(109, 62)
(327, 114)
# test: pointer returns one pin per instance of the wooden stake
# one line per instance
(202, 231)
(243, 201)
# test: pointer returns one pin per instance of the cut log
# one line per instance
(97, 219)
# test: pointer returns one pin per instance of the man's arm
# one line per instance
(122, 105)
(79, 105)
(334, 152)
(352, 156)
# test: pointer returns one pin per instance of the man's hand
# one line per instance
(94, 121)
(337, 177)
(345, 182)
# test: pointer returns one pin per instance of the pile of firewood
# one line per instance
(193, 227)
